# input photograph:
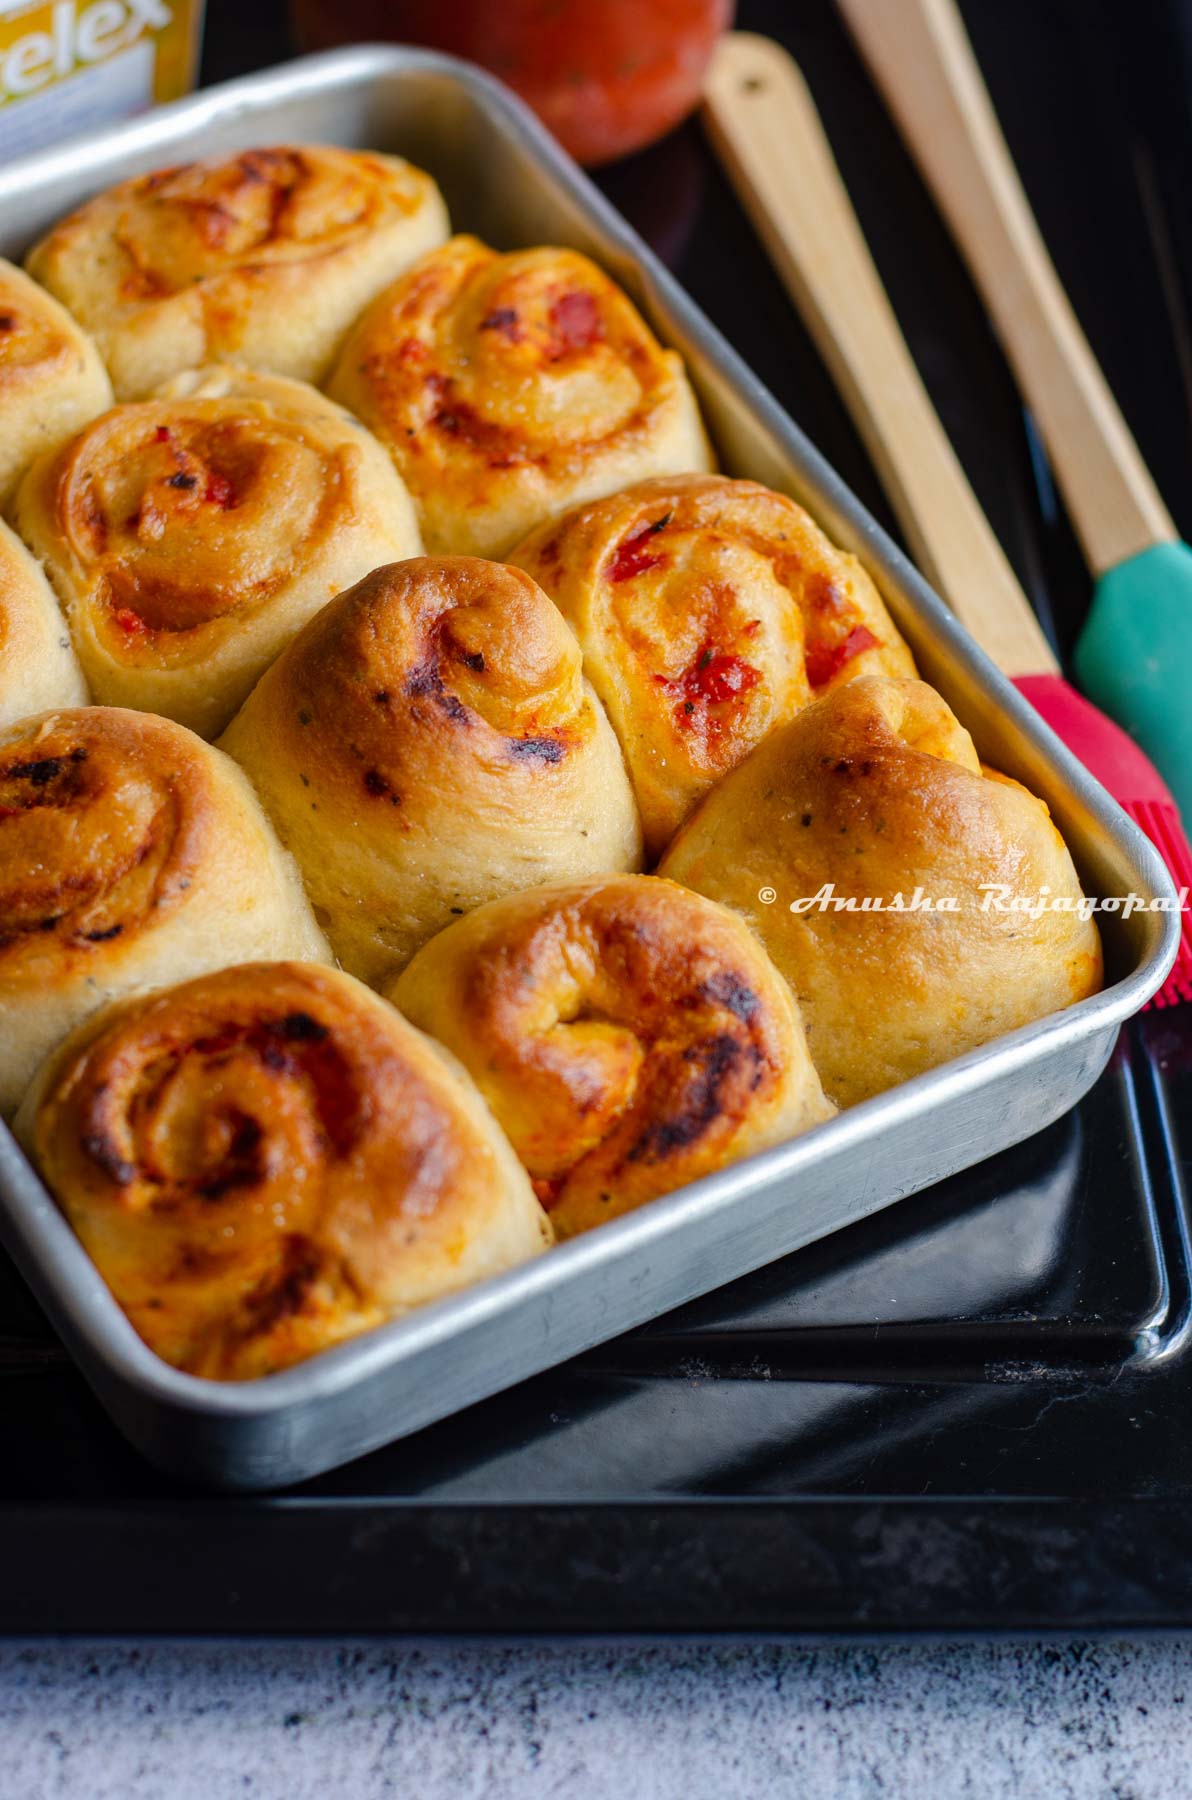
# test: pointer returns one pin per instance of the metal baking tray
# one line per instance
(505, 179)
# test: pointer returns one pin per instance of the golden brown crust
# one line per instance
(268, 1160)
(263, 258)
(51, 377)
(130, 854)
(876, 791)
(708, 611)
(191, 535)
(428, 742)
(628, 1035)
(507, 387)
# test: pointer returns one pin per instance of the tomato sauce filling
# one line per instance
(824, 661)
(575, 322)
(195, 479)
(634, 556)
(296, 1047)
(714, 678)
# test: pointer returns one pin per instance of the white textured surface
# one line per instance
(635, 1723)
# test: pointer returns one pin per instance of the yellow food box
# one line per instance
(68, 67)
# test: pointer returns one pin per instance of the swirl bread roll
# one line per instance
(262, 259)
(877, 790)
(508, 387)
(131, 854)
(629, 1036)
(708, 611)
(38, 667)
(428, 743)
(190, 536)
(51, 377)
(267, 1160)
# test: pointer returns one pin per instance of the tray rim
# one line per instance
(87, 1302)
(45, 1247)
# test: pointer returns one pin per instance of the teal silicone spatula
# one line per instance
(763, 123)
(1134, 657)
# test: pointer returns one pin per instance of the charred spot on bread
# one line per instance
(538, 749)
(427, 680)
(45, 770)
(726, 989)
(715, 1061)
(300, 1027)
(101, 1149)
(284, 1291)
(379, 787)
(242, 1166)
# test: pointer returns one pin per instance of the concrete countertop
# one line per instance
(652, 1722)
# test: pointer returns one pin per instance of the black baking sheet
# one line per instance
(970, 1413)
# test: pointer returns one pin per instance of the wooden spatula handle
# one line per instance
(924, 65)
(767, 132)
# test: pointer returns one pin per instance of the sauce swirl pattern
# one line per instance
(709, 611)
(263, 259)
(507, 387)
(130, 854)
(628, 1035)
(267, 1160)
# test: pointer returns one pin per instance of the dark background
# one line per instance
(970, 1412)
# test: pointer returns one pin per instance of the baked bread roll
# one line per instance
(268, 1160)
(508, 387)
(876, 792)
(38, 668)
(628, 1035)
(131, 854)
(191, 535)
(51, 377)
(263, 259)
(428, 743)
(708, 611)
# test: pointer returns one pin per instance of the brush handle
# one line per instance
(924, 65)
(765, 128)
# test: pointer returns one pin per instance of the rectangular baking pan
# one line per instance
(505, 179)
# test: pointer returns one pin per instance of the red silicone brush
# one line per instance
(765, 128)
(1137, 786)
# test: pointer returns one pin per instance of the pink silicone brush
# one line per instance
(765, 128)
